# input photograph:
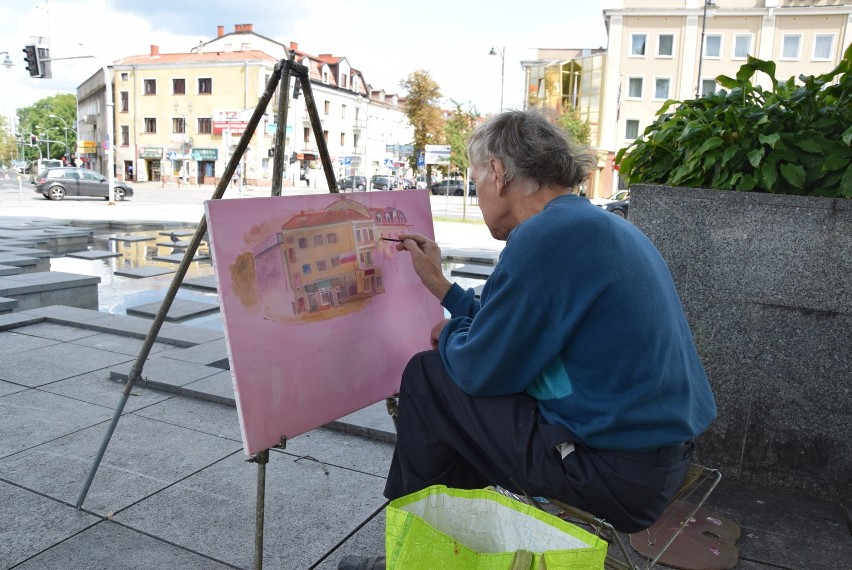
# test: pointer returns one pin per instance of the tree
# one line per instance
(457, 132)
(8, 151)
(579, 130)
(424, 114)
(36, 120)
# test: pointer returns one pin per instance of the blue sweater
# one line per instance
(581, 313)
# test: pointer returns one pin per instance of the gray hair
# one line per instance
(532, 149)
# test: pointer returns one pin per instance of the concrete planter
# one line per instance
(766, 282)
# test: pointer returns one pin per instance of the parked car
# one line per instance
(617, 196)
(383, 183)
(455, 187)
(619, 207)
(57, 183)
(408, 183)
(40, 165)
(420, 181)
(359, 183)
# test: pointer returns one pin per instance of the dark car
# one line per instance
(454, 187)
(359, 183)
(383, 183)
(57, 183)
(619, 207)
(408, 184)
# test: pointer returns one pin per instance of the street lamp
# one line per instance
(64, 129)
(701, 45)
(502, 54)
(7, 63)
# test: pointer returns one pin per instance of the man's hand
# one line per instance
(436, 333)
(426, 260)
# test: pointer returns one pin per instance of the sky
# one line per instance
(385, 40)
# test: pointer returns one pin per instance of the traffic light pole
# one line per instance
(110, 105)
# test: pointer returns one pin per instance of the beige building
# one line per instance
(178, 117)
(672, 49)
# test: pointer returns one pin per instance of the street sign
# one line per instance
(347, 160)
(438, 154)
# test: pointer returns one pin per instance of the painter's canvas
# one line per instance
(321, 314)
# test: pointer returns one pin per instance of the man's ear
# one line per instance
(497, 170)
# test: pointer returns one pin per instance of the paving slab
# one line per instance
(7, 304)
(178, 257)
(32, 523)
(15, 320)
(368, 541)
(7, 388)
(126, 325)
(175, 244)
(33, 417)
(333, 447)
(54, 331)
(18, 260)
(372, 421)
(207, 283)
(212, 418)
(131, 238)
(56, 362)
(309, 508)
(217, 388)
(120, 344)
(179, 310)
(187, 335)
(128, 549)
(97, 388)
(214, 353)
(142, 272)
(179, 233)
(48, 281)
(26, 251)
(163, 373)
(65, 315)
(14, 342)
(94, 254)
(473, 270)
(143, 457)
(9, 270)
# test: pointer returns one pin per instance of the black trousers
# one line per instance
(450, 438)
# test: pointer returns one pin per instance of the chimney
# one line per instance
(242, 28)
(294, 46)
(220, 31)
(155, 50)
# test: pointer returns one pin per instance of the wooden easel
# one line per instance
(284, 69)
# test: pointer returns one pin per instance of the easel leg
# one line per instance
(261, 459)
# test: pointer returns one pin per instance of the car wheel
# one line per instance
(46, 196)
(619, 213)
(360, 188)
(120, 193)
(56, 193)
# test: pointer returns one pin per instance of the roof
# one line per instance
(219, 56)
(314, 219)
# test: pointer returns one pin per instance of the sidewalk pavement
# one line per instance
(174, 489)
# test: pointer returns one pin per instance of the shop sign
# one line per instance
(87, 146)
(151, 152)
(205, 154)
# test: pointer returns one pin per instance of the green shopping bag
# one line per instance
(444, 528)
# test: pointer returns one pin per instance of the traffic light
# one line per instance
(33, 139)
(293, 158)
(32, 61)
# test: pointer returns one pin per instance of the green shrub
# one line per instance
(794, 139)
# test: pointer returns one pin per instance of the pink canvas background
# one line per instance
(292, 377)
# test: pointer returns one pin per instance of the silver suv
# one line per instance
(57, 183)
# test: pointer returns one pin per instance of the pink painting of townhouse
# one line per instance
(320, 313)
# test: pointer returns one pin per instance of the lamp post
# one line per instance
(502, 54)
(701, 45)
(64, 129)
(187, 141)
(7, 63)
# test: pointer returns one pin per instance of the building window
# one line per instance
(791, 46)
(335, 261)
(124, 102)
(343, 111)
(344, 80)
(331, 238)
(661, 87)
(124, 76)
(823, 44)
(306, 137)
(708, 87)
(634, 88)
(637, 44)
(150, 125)
(306, 268)
(150, 86)
(318, 239)
(205, 85)
(342, 139)
(205, 125)
(291, 255)
(665, 45)
(354, 83)
(631, 129)
(125, 135)
(325, 77)
(321, 265)
(742, 46)
(325, 136)
(713, 46)
(179, 86)
(326, 107)
(303, 243)
(178, 125)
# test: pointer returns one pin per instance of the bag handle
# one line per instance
(523, 560)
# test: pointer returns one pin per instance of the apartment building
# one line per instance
(673, 49)
(178, 117)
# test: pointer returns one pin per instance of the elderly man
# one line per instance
(524, 389)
